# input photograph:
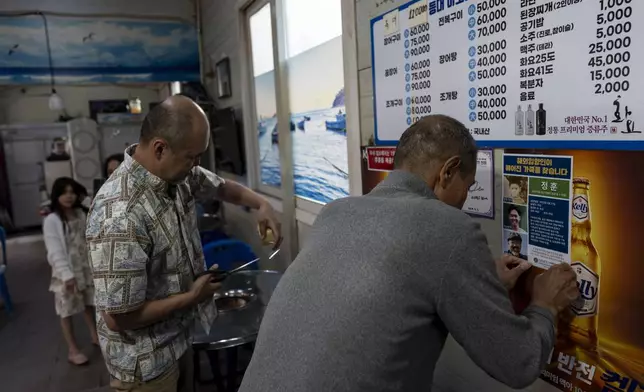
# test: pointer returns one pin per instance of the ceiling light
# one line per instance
(55, 101)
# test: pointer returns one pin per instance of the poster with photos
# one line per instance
(537, 192)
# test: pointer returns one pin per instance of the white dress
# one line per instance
(71, 303)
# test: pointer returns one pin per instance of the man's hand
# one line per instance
(267, 220)
(556, 288)
(510, 268)
(70, 285)
(204, 288)
(237, 194)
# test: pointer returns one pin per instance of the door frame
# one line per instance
(285, 194)
(296, 209)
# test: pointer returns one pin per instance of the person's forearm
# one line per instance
(151, 312)
(544, 325)
(476, 308)
(57, 258)
(232, 192)
(498, 340)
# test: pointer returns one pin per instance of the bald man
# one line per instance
(383, 278)
(145, 250)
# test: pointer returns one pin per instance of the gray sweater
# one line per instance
(381, 281)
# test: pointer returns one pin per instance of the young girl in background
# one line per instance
(111, 164)
(71, 282)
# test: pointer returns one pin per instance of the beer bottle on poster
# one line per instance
(541, 120)
(529, 121)
(519, 123)
(586, 263)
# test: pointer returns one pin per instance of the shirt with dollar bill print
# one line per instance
(144, 245)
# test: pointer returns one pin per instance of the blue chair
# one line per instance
(209, 236)
(228, 254)
(4, 289)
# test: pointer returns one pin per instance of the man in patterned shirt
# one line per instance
(145, 250)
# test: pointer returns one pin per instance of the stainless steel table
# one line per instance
(241, 304)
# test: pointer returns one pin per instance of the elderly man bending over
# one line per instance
(383, 278)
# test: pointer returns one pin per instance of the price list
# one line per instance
(610, 55)
(518, 73)
(418, 71)
(487, 61)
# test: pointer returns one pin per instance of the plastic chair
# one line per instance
(228, 254)
(4, 289)
(209, 236)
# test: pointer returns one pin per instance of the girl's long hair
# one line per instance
(59, 188)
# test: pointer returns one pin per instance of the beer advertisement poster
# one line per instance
(600, 342)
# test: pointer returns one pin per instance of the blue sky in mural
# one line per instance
(97, 50)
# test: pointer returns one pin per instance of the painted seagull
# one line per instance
(89, 37)
(13, 49)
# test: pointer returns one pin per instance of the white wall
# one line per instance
(220, 39)
(164, 92)
(32, 105)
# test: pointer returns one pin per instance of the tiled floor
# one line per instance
(33, 354)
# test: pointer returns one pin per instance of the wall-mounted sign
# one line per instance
(380, 158)
(520, 74)
(536, 208)
(480, 199)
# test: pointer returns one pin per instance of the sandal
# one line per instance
(77, 359)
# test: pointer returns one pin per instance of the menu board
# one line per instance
(518, 73)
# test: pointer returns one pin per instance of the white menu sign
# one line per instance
(518, 73)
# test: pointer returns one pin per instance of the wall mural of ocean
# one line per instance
(86, 51)
(318, 124)
(320, 162)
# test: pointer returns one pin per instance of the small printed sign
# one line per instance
(480, 198)
(380, 158)
(391, 25)
(418, 14)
